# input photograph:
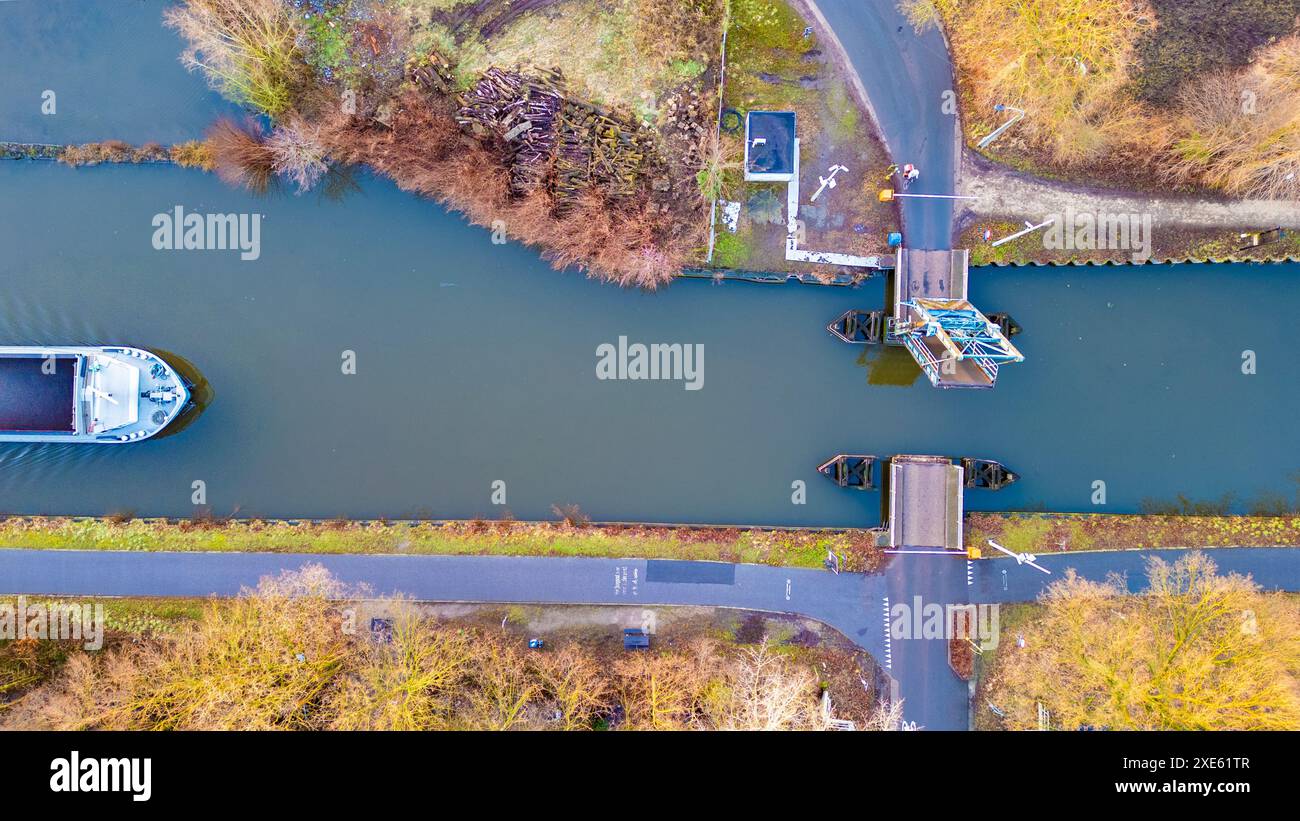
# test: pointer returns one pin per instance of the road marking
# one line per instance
(787, 590)
(626, 583)
(970, 572)
(889, 649)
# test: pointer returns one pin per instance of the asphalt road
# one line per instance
(908, 78)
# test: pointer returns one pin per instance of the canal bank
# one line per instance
(854, 550)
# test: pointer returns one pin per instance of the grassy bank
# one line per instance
(1063, 532)
(796, 548)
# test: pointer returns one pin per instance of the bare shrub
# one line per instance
(674, 689)
(574, 684)
(501, 686)
(240, 155)
(193, 154)
(1196, 651)
(1066, 62)
(297, 153)
(408, 684)
(769, 693)
(1240, 131)
(261, 661)
(671, 30)
(629, 243)
(246, 49)
(571, 515)
(96, 153)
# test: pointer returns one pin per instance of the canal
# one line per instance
(476, 363)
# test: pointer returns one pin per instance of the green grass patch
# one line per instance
(731, 250)
(765, 56)
(848, 124)
(799, 548)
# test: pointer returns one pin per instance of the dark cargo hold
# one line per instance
(33, 401)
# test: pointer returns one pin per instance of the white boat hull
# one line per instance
(82, 394)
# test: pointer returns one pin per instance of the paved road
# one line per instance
(853, 603)
(906, 77)
(933, 696)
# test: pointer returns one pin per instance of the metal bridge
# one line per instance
(955, 345)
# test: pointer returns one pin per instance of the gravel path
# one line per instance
(1005, 192)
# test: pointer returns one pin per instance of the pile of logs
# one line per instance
(436, 77)
(552, 140)
(520, 112)
(599, 148)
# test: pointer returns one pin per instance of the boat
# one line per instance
(849, 470)
(986, 473)
(99, 395)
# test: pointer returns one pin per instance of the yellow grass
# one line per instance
(595, 45)
(1198, 651)
(290, 655)
(1070, 64)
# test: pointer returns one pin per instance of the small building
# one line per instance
(770, 146)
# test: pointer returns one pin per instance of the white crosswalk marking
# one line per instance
(889, 652)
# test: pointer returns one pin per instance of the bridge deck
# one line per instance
(924, 274)
(925, 503)
(930, 275)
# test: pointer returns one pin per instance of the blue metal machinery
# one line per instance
(955, 344)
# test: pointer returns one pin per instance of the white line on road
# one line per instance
(889, 650)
